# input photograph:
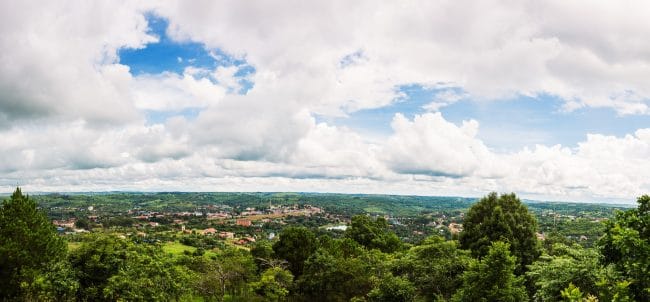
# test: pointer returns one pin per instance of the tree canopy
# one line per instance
(296, 244)
(435, 267)
(568, 265)
(367, 262)
(626, 246)
(492, 278)
(274, 284)
(29, 249)
(340, 270)
(501, 218)
(372, 233)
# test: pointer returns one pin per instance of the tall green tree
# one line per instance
(492, 278)
(98, 259)
(373, 233)
(296, 244)
(501, 218)
(626, 247)
(389, 288)
(56, 282)
(435, 267)
(262, 253)
(227, 274)
(148, 277)
(274, 284)
(341, 270)
(30, 251)
(111, 269)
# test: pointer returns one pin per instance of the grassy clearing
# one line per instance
(73, 245)
(177, 248)
(374, 210)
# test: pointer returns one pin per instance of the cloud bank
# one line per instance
(74, 118)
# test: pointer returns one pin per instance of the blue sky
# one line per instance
(259, 96)
(167, 55)
(506, 124)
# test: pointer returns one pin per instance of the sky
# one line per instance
(547, 99)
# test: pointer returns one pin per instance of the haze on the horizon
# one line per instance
(546, 99)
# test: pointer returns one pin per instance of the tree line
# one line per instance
(497, 257)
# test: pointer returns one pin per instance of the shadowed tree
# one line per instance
(392, 289)
(229, 273)
(31, 253)
(435, 267)
(296, 244)
(492, 278)
(626, 247)
(340, 270)
(114, 269)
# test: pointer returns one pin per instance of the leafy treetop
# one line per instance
(501, 218)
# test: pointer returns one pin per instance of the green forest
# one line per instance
(287, 247)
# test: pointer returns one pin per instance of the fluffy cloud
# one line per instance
(430, 145)
(589, 55)
(250, 128)
(73, 118)
(69, 146)
(338, 152)
(169, 91)
(602, 166)
(58, 60)
(425, 155)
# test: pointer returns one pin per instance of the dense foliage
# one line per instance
(562, 266)
(296, 244)
(31, 253)
(435, 267)
(626, 246)
(373, 234)
(114, 255)
(501, 218)
(492, 278)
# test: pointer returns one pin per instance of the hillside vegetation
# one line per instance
(319, 247)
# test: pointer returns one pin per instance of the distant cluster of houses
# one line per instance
(65, 223)
(67, 226)
(455, 228)
(306, 210)
(246, 218)
(228, 235)
(218, 215)
(213, 231)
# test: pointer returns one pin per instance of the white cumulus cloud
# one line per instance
(72, 117)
